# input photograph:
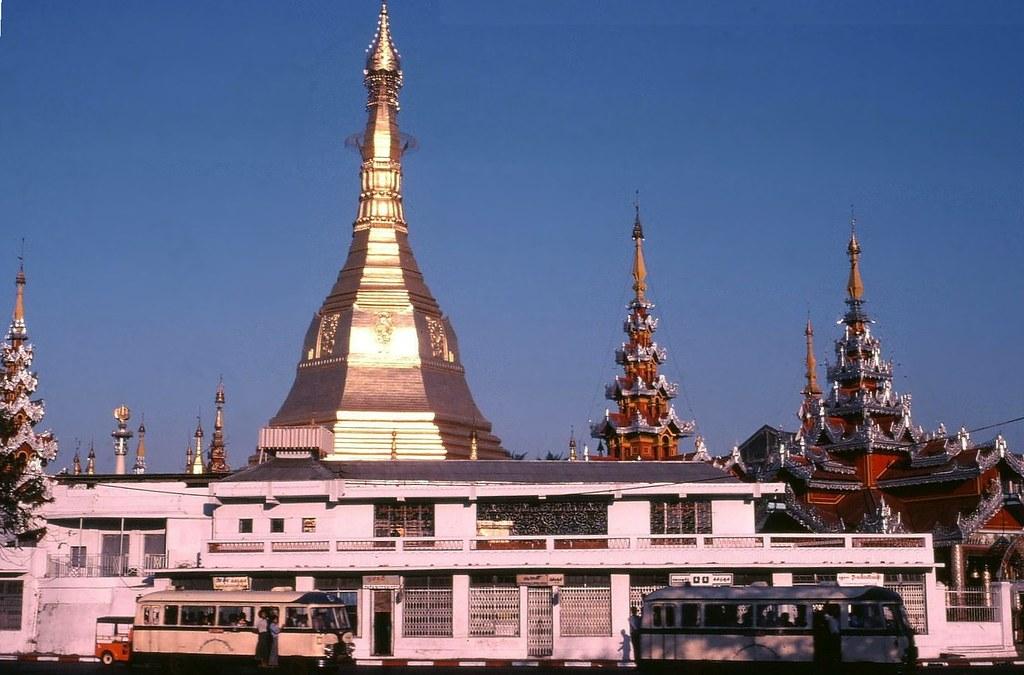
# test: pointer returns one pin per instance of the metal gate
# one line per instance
(539, 625)
(914, 601)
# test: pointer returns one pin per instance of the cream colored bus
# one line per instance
(182, 630)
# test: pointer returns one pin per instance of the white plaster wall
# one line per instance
(732, 516)
(455, 520)
(629, 517)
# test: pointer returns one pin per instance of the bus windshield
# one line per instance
(329, 618)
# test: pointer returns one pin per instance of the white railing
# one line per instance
(90, 566)
(976, 605)
(580, 542)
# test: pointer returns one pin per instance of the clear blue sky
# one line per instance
(178, 170)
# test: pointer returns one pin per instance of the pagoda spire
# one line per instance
(811, 389)
(639, 265)
(854, 286)
(18, 331)
(196, 467)
(218, 453)
(90, 461)
(646, 425)
(380, 200)
(76, 464)
(140, 450)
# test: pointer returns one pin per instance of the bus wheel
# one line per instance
(106, 658)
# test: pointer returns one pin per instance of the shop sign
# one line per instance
(700, 579)
(860, 579)
(231, 583)
(382, 582)
(540, 579)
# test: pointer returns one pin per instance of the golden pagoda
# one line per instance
(380, 362)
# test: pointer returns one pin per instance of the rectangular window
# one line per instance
(151, 615)
(245, 526)
(277, 525)
(229, 615)
(78, 554)
(427, 607)
(309, 524)
(403, 520)
(493, 606)
(729, 615)
(542, 518)
(782, 615)
(10, 604)
(585, 606)
(296, 617)
(681, 516)
(197, 615)
(689, 615)
(170, 615)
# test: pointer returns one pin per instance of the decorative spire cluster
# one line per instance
(646, 425)
(30, 450)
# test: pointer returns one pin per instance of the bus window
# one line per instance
(670, 615)
(889, 616)
(657, 616)
(228, 615)
(324, 618)
(865, 615)
(296, 617)
(170, 615)
(689, 614)
(729, 615)
(782, 615)
(151, 615)
(196, 615)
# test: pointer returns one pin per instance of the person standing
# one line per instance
(634, 632)
(273, 630)
(262, 638)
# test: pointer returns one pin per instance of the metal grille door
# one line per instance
(539, 638)
(913, 595)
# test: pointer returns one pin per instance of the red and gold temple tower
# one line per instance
(646, 425)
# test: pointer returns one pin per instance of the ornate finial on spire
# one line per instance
(90, 460)
(18, 332)
(854, 286)
(811, 374)
(140, 451)
(382, 53)
(639, 266)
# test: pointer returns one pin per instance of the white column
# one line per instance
(460, 605)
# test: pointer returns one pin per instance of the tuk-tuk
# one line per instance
(114, 639)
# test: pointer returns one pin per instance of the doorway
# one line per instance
(383, 612)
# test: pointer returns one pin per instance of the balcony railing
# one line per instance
(582, 542)
(976, 605)
(103, 565)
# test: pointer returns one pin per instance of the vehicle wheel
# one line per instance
(106, 658)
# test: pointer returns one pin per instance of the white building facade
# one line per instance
(444, 560)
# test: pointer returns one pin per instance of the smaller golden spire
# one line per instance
(639, 266)
(572, 444)
(76, 464)
(90, 461)
(140, 450)
(473, 444)
(197, 466)
(811, 388)
(854, 286)
(18, 330)
(394, 444)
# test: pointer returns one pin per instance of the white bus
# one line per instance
(180, 630)
(809, 628)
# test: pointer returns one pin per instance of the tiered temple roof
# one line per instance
(857, 461)
(646, 425)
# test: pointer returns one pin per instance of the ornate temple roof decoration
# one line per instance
(17, 385)
(218, 453)
(379, 355)
(646, 425)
